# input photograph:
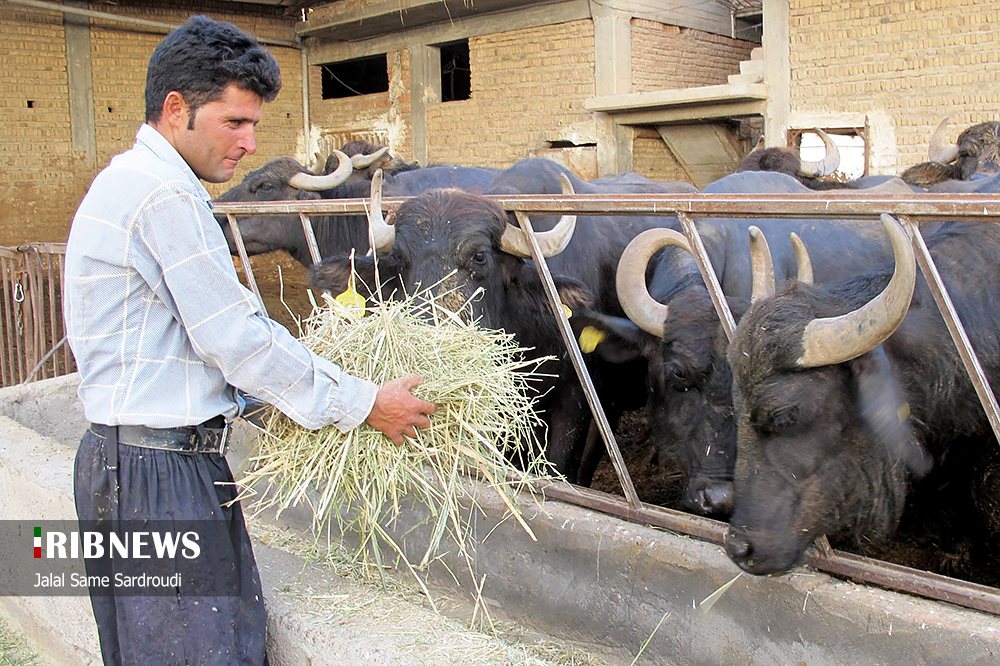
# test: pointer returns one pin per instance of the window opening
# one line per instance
(351, 78)
(456, 75)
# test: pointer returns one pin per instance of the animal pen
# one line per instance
(909, 210)
(608, 581)
(31, 322)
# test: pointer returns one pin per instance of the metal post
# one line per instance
(955, 327)
(581, 369)
(708, 274)
(307, 229)
(244, 259)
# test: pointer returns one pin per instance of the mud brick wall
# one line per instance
(42, 177)
(914, 62)
(668, 57)
(528, 87)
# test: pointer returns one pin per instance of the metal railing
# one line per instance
(911, 210)
(32, 332)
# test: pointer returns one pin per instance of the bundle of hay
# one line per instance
(479, 380)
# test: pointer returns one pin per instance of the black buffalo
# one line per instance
(672, 324)
(976, 154)
(846, 394)
(285, 179)
(461, 246)
(592, 258)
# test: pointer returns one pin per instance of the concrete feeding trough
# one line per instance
(589, 578)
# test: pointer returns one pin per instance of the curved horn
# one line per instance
(939, 150)
(831, 340)
(382, 234)
(307, 181)
(762, 266)
(828, 164)
(365, 161)
(802, 260)
(551, 242)
(630, 281)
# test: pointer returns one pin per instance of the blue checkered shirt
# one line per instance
(161, 327)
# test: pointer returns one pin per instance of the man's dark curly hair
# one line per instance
(201, 59)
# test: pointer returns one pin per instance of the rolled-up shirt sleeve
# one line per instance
(196, 279)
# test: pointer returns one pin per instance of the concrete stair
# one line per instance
(752, 70)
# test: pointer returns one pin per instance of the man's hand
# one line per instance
(397, 412)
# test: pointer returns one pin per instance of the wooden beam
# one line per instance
(324, 51)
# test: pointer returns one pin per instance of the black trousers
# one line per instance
(148, 484)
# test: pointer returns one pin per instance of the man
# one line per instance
(164, 334)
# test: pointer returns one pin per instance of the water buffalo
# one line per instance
(462, 246)
(673, 327)
(846, 394)
(976, 154)
(592, 258)
(285, 179)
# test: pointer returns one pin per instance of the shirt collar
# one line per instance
(149, 137)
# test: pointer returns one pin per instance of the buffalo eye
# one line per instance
(479, 258)
(678, 377)
(267, 187)
(783, 419)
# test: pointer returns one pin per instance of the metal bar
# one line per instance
(32, 259)
(69, 363)
(51, 291)
(838, 563)
(708, 274)
(7, 367)
(581, 369)
(912, 581)
(307, 229)
(968, 355)
(926, 207)
(245, 259)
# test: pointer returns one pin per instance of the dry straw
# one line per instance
(479, 379)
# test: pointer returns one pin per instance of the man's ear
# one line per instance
(886, 412)
(174, 113)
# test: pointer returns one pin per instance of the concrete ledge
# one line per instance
(589, 577)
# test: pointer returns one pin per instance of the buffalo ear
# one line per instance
(886, 413)
(573, 293)
(333, 275)
(624, 342)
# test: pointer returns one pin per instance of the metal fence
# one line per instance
(910, 210)
(32, 334)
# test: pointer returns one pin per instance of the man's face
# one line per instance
(222, 135)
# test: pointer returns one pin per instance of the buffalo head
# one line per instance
(689, 404)
(976, 152)
(787, 161)
(824, 446)
(283, 179)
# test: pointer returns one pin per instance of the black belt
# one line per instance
(212, 436)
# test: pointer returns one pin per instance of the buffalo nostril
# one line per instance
(718, 499)
(738, 546)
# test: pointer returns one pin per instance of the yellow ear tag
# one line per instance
(903, 412)
(353, 301)
(566, 310)
(590, 337)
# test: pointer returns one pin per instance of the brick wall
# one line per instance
(912, 62)
(652, 158)
(42, 179)
(665, 57)
(528, 86)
